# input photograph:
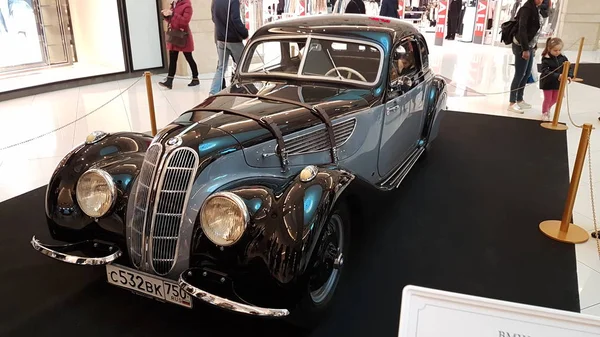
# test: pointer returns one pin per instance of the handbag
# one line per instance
(176, 37)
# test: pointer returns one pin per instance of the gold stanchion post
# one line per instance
(148, 76)
(564, 230)
(576, 70)
(554, 125)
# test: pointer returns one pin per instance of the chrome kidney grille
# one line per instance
(174, 186)
(319, 140)
(142, 199)
(159, 207)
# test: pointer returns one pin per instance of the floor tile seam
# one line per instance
(587, 265)
(590, 306)
(124, 105)
(76, 114)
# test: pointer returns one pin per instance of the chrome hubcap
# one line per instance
(332, 260)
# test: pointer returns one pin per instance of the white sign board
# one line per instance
(433, 313)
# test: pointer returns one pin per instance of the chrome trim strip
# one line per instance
(308, 38)
(395, 179)
(74, 259)
(193, 168)
(148, 185)
(226, 303)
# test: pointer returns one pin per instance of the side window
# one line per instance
(405, 61)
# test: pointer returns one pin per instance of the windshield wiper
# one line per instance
(334, 66)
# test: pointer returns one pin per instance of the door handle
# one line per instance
(391, 109)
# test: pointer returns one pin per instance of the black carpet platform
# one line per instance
(465, 220)
(590, 73)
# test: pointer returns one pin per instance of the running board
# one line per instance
(395, 179)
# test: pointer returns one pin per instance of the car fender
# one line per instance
(287, 222)
(119, 154)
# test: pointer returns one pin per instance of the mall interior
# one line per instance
(296, 202)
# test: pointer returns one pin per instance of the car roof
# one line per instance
(396, 28)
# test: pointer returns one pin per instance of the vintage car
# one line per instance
(245, 201)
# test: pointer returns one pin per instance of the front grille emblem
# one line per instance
(175, 141)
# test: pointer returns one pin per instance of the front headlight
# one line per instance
(224, 217)
(96, 192)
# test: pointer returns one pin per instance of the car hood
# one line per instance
(335, 101)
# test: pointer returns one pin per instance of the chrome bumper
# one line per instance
(94, 253)
(185, 284)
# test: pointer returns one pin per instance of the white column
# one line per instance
(202, 27)
(579, 18)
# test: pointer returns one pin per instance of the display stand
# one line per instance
(576, 70)
(440, 27)
(401, 8)
(563, 230)
(554, 125)
(480, 21)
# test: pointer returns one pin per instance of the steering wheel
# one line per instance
(350, 72)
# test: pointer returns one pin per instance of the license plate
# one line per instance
(145, 284)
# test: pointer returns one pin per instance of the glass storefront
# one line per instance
(48, 41)
(34, 33)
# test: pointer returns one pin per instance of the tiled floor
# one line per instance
(480, 80)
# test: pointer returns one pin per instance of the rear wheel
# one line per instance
(327, 270)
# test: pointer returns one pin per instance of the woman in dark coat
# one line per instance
(179, 17)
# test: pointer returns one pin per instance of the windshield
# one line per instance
(315, 58)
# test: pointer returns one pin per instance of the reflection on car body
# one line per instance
(245, 201)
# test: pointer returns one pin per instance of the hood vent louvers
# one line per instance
(317, 141)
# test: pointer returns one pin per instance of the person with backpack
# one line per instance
(552, 64)
(524, 43)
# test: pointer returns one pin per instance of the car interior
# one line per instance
(353, 61)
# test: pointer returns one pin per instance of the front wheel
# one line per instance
(329, 261)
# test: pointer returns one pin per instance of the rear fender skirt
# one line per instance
(435, 107)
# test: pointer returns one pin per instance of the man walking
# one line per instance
(229, 34)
